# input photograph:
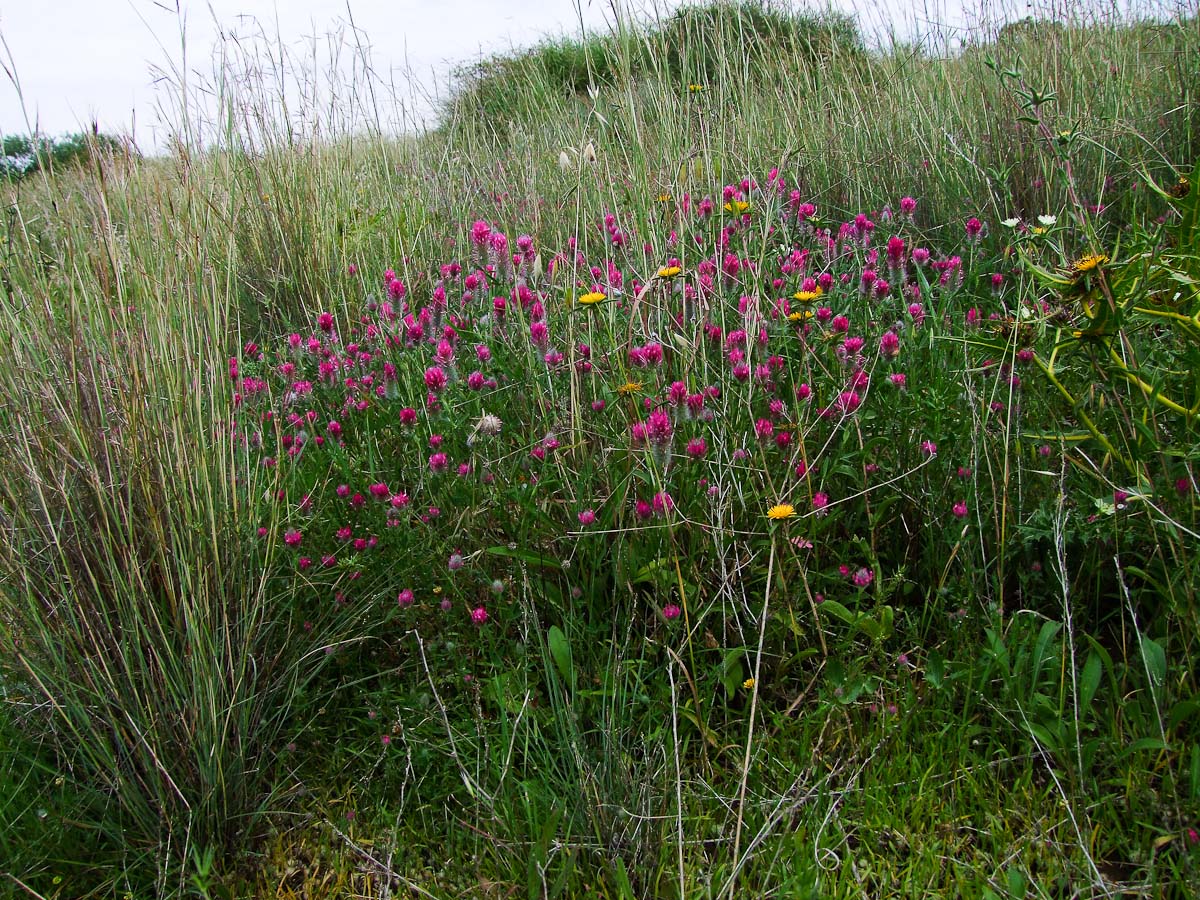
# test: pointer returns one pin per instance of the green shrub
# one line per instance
(22, 156)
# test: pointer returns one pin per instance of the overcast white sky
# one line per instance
(79, 60)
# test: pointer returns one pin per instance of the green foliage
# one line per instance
(694, 45)
(22, 156)
(697, 42)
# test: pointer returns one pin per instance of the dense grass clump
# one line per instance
(720, 458)
(694, 45)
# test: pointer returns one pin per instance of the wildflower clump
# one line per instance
(474, 420)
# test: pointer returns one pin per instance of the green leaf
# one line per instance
(838, 611)
(1142, 744)
(1089, 681)
(621, 877)
(732, 674)
(887, 618)
(534, 559)
(560, 652)
(1154, 658)
(1048, 738)
(656, 572)
(1181, 712)
(1016, 883)
(935, 669)
(1045, 636)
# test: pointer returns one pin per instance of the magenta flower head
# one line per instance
(960, 509)
(658, 428)
(928, 448)
(866, 280)
(863, 577)
(479, 615)
(325, 322)
(643, 509)
(587, 517)
(671, 611)
(908, 205)
(405, 597)
(889, 345)
(455, 562)
(696, 448)
(663, 503)
(480, 232)
(974, 229)
(435, 379)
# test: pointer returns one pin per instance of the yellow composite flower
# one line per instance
(695, 89)
(748, 684)
(590, 298)
(664, 197)
(669, 271)
(737, 206)
(781, 511)
(800, 314)
(808, 296)
(1088, 263)
(630, 387)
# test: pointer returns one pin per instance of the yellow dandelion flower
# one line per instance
(696, 89)
(664, 197)
(808, 296)
(800, 315)
(737, 206)
(1088, 263)
(669, 271)
(781, 511)
(748, 684)
(593, 297)
(1037, 229)
(630, 387)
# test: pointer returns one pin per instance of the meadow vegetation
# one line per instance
(722, 456)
